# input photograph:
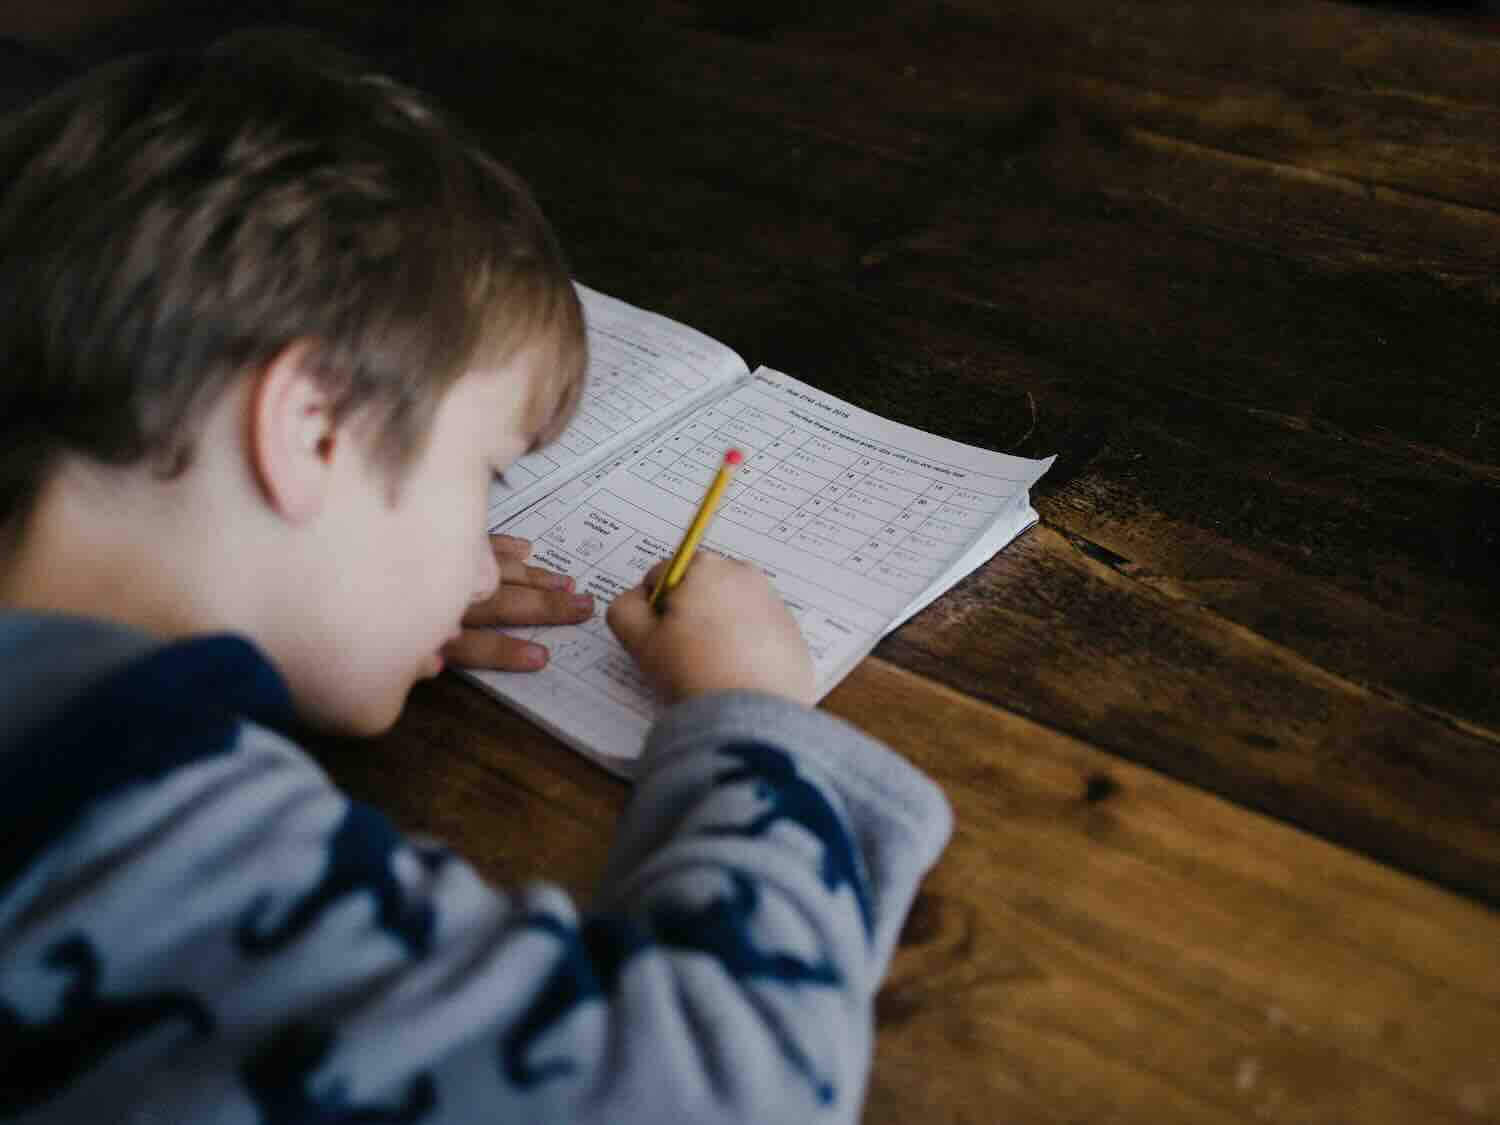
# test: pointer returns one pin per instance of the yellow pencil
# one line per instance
(685, 550)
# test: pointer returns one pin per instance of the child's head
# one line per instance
(174, 227)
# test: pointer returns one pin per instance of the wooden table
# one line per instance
(1223, 732)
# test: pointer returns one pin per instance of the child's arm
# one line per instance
(731, 655)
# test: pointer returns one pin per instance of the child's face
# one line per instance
(406, 572)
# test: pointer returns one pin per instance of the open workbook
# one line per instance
(858, 521)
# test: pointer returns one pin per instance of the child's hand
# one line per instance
(527, 595)
(724, 628)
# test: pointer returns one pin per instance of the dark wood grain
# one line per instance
(1128, 236)
(1102, 943)
(1156, 678)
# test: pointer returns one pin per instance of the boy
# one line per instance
(269, 327)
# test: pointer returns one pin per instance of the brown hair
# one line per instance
(171, 221)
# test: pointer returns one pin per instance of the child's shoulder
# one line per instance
(90, 709)
(48, 659)
(65, 676)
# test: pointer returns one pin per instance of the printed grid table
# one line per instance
(822, 495)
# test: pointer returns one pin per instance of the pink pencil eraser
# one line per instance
(733, 457)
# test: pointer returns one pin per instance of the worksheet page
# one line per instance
(857, 520)
(644, 370)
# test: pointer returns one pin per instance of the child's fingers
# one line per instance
(630, 616)
(486, 648)
(653, 576)
(510, 546)
(514, 572)
(527, 605)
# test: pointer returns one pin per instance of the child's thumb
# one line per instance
(631, 617)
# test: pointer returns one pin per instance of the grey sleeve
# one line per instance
(898, 818)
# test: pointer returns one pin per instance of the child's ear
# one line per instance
(291, 433)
